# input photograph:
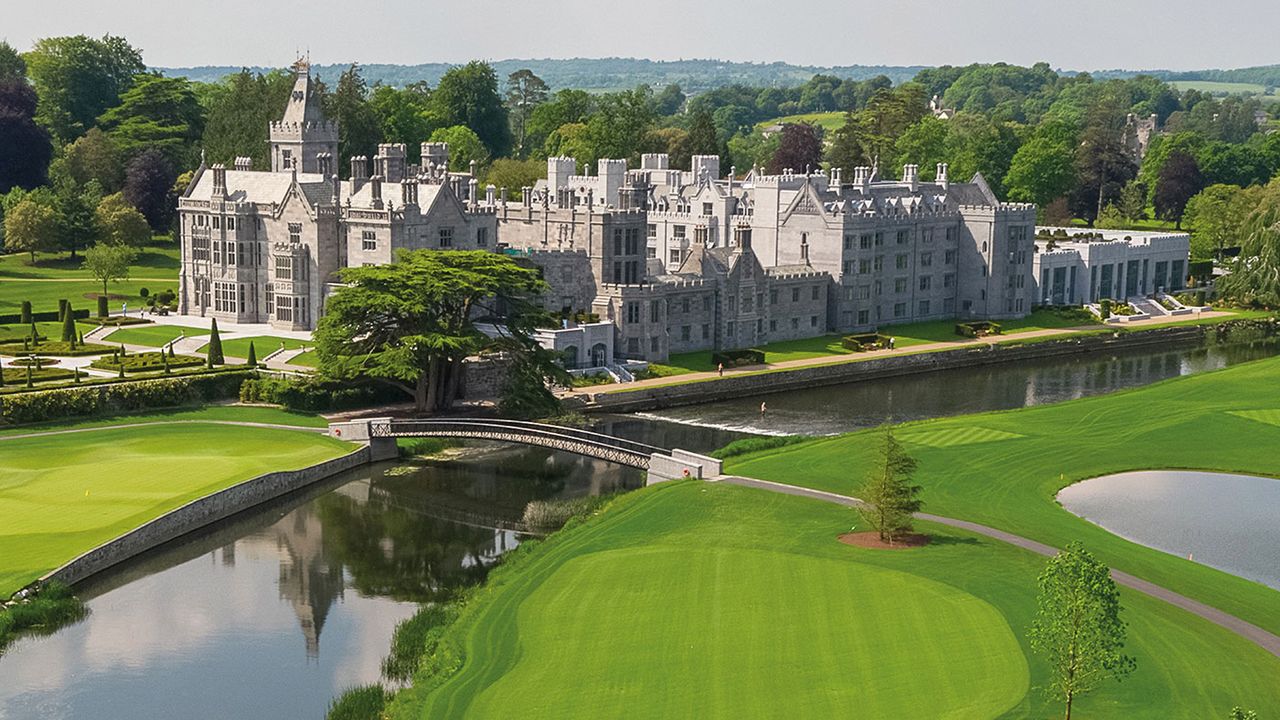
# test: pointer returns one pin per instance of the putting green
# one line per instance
(707, 600)
(730, 633)
(63, 494)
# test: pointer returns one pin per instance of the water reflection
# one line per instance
(851, 406)
(1226, 521)
(275, 612)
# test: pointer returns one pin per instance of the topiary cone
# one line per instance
(215, 345)
(102, 306)
(26, 312)
(30, 380)
(68, 325)
(166, 363)
(253, 356)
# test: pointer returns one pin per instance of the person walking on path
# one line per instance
(720, 369)
(891, 342)
(763, 408)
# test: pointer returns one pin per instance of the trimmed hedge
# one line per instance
(146, 362)
(118, 320)
(864, 341)
(49, 316)
(54, 349)
(977, 329)
(315, 394)
(18, 375)
(738, 358)
(117, 397)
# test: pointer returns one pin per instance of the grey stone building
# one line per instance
(262, 246)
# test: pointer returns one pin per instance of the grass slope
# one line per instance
(698, 600)
(57, 276)
(63, 494)
(1004, 468)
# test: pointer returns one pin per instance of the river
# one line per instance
(275, 612)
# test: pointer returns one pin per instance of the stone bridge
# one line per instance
(661, 464)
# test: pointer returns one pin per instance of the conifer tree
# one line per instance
(165, 357)
(253, 356)
(890, 498)
(26, 312)
(215, 345)
(30, 379)
(68, 325)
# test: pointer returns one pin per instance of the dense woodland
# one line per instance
(94, 145)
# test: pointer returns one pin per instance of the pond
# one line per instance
(1224, 521)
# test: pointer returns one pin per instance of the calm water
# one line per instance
(842, 408)
(276, 612)
(1226, 521)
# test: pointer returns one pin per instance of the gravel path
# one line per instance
(1266, 640)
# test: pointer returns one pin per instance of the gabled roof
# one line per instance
(261, 187)
(304, 101)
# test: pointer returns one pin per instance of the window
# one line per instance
(902, 261)
(847, 267)
(653, 344)
(271, 300)
(878, 263)
(632, 241)
(651, 252)
(924, 307)
(864, 266)
(684, 333)
(773, 297)
(729, 328)
(795, 294)
(804, 246)
(926, 236)
(878, 288)
(848, 242)
(879, 239)
(677, 232)
(864, 317)
(675, 257)
(633, 312)
(286, 159)
(864, 292)
(284, 309)
(951, 234)
(813, 321)
(949, 280)
(795, 323)
(706, 209)
(295, 233)
(284, 267)
(617, 273)
(899, 309)
(684, 305)
(864, 241)
(706, 303)
(949, 305)
(633, 346)
(733, 303)
(706, 331)
(926, 259)
(904, 236)
(926, 282)
(446, 237)
(900, 285)
(199, 248)
(773, 326)
(231, 223)
(651, 231)
(655, 311)
(816, 290)
(217, 222)
(949, 257)
(224, 297)
(368, 240)
(482, 237)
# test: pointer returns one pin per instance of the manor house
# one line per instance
(671, 260)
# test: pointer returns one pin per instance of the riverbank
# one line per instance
(748, 598)
(1003, 469)
(695, 388)
(108, 482)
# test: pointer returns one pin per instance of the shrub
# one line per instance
(30, 317)
(112, 397)
(359, 703)
(102, 306)
(145, 362)
(56, 349)
(553, 514)
(25, 316)
(214, 353)
(756, 444)
(413, 446)
(738, 358)
(1104, 308)
(316, 394)
(48, 609)
(143, 292)
(412, 637)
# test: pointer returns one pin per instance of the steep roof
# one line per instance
(260, 187)
(304, 101)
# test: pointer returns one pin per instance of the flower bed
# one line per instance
(865, 341)
(57, 348)
(145, 362)
(18, 375)
(737, 358)
(981, 328)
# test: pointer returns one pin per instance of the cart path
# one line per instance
(1266, 640)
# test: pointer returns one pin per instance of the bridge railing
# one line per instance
(401, 428)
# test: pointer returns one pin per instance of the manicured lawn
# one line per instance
(307, 359)
(1004, 468)
(63, 494)
(152, 335)
(57, 276)
(50, 329)
(829, 121)
(263, 345)
(236, 413)
(713, 601)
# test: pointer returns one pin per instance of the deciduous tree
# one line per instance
(1179, 181)
(109, 263)
(25, 147)
(78, 78)
(525, 92)
(30, 227)
(359, 130)
(240, 108)
(464, 147)
(1216, 217)
(468, 95)
(148, 186)
(1078, 629)
(157, 113)
(890, 498)
(120, 224)
(799, 149)
(94, 156)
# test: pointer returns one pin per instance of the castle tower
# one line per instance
(303, 132)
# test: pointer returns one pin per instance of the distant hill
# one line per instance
(1263, 75)
(600, 73)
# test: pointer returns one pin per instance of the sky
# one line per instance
(1069, 34)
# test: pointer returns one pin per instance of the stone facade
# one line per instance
(1076, 267)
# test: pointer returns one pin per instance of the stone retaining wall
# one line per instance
(201, 512)
(890, 366)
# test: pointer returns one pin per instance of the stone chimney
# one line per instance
(324, 163)
(473, 191)
(942, 176)
(490, 195)
(243, 164)
(359, 167)
(911, 176)
(408, 192)
(526, 195)
(862, 177)
(219, 180)
(375, 190)
(742, 237)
